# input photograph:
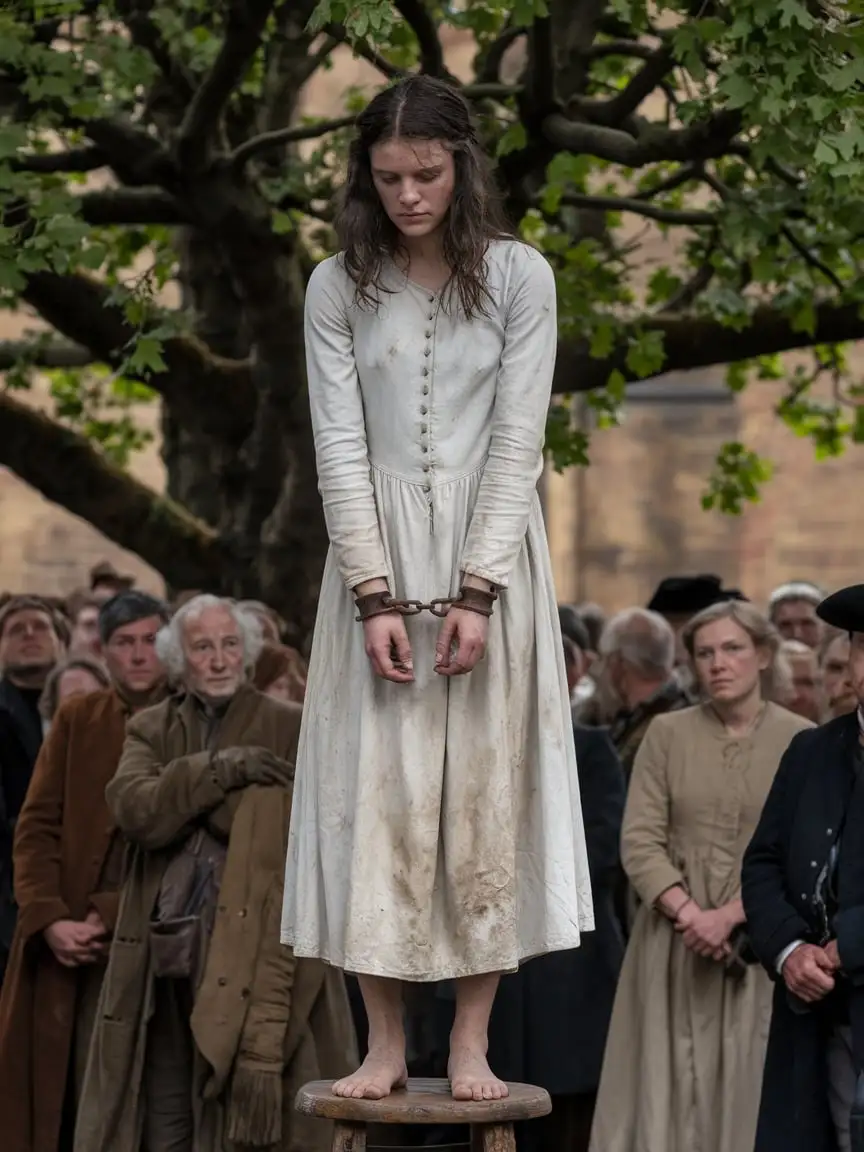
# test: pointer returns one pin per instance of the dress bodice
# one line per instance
(414, 389)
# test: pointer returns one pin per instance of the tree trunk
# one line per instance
(256, 485)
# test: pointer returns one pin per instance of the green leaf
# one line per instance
(825, 154)
(146, 357)
(283, 224)
(737, 375)
(645, 354)
(513, 140)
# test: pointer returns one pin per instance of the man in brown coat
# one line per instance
(207, 1025)
(67, 870)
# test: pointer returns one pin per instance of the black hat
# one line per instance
(687, 595)
(844, 609)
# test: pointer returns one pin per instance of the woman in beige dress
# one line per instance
(683, 1064)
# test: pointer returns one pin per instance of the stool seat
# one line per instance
(423, 1102)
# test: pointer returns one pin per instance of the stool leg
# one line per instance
(350, 1137)
(493, 1138)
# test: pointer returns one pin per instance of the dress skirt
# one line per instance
(436, 829)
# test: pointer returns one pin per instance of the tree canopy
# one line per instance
(163, 198)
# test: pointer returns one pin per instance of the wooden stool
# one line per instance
(425, 1102)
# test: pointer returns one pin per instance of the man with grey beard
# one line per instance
(207, 1025)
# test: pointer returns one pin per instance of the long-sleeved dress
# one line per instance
(683, 1065)
(436, 829)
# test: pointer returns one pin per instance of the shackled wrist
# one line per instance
(477, 600)
(374, 604)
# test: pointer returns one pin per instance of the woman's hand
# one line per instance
(466, 632)
(706, 932)
(388, 648)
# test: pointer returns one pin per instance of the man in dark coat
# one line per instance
(550, 1018)
(803, 894)
(31, 642)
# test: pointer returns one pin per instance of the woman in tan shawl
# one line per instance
(683, 1064)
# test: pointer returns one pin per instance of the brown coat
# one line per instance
(165, 785)
(62, 839)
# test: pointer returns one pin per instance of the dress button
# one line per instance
(221, 981)
(431, 316)
(425, 371)
(423, 410)
(424, 448)
(813, 864)
(829, 831)
(431, 299)
(425, 389)
(427, 351)
(424, 427)
(425, 467)
(427, 487)
(428, 334)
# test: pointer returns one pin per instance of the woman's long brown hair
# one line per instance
(421, 108)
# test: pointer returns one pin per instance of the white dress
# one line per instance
(436, 829)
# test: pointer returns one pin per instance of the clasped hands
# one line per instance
(706, 931)
(77, 942)
(809, 971)
(460, 646)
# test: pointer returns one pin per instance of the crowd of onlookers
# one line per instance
(146, 768)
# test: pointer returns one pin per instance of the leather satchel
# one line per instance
(186, 907)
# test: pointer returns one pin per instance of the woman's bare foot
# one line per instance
(376, 1077)
(471, 1078)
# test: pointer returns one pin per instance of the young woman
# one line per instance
(683, 1062)
(436, 829)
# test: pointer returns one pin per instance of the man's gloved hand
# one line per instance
(239, 767)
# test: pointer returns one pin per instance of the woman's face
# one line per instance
(414, 179)
(840, 698)
(76, 682)
(727, 662)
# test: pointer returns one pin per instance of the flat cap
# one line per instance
(844, 609)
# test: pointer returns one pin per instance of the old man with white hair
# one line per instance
(207, 1025)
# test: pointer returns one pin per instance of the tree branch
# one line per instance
(282, 136)
(634, 48)
(137, 16)
(696, 342)
(638, 88)
(244, 26)
(415, 13)
(684, 175)
(137, 157)
(42, 354)
(489, 65)
(541, 71)
(209, 391)
(132, 206)
(691, 217)
(654, 143)
(812, 259)
(68, 470)
(365, 51)
(687, 294)
(86, 159)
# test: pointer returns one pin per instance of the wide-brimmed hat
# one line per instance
(844, 609)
